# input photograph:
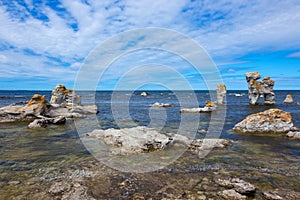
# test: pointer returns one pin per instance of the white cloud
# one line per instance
(228, 30)
(294, 55)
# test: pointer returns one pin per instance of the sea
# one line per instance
(266, 160)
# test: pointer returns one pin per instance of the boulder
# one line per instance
(293, 134)
(269, 121)
(143, 139)
(42, 123)
(221, 94)
(144, 94)
(288, 99)
(257, 88)
(209, 107)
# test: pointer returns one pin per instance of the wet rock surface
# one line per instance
(231, 195)
(257, 88)
(269, 121)
(42, 123)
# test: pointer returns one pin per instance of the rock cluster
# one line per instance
(143, 139)
(221, 94)
(293, 134)
(257, 88)
(288, 99)
(41, 112)
(144, 94)
(269, 121)
(209, 107)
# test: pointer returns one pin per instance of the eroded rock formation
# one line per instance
(269, 121)
(41, 112)
(62, 95)
(221, 94)
(257, 88)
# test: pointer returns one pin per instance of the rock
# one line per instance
(293, 134)
(257, 88)
(231, 195)
(132, 140)
(238, 185)
(209, 107)
(144, 94)
(221, 94)
(266, 88)
(62, 95)
(42, 123)
(161, 105)
(269, 121)
(143, 139)
(65, 104)
(36, 107)
(271, 195)
(288, 99)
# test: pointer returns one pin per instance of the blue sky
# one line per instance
(43, 43)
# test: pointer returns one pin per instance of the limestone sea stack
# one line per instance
(257, 88)
(288, 99)
(64, 104)
(62, 95)
(221, 93)
(271, 121)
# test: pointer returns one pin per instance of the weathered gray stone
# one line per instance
(293, 134)
(288, 99)
(221, 94)
(143, 139)
(43, 122)
(62, 95)
(257, 88)
(231, 195)
(238, 185)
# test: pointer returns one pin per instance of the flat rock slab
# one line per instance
(142, 139)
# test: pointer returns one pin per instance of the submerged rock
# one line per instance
(231, 195)
(288, 99)
(257, 88)
(221, 93)
(238, 185)
(143, 139)
(269, 121)
(209, 107)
